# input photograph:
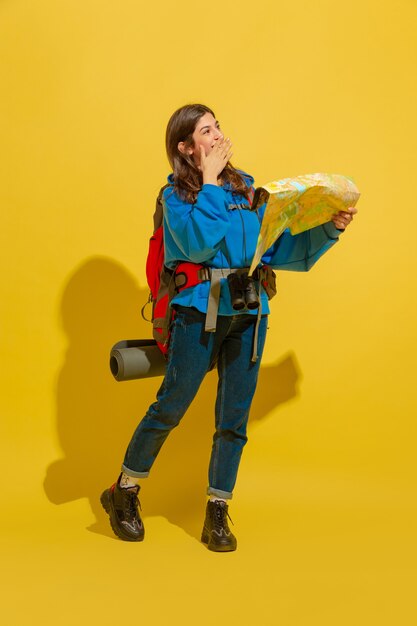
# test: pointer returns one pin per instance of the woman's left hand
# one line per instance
(344, 218)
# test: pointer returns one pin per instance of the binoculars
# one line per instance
(243, 291)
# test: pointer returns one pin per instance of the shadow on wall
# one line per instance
(97, 416)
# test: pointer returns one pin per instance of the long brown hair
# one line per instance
(188, 179)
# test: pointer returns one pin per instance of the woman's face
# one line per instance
(207, 132)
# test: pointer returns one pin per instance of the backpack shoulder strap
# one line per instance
(251, 194)
(159, 209)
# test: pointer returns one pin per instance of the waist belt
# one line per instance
(191, 274)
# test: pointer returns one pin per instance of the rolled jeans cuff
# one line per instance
(134, 474)
(226, 495)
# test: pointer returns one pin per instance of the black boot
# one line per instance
(122, 507)
(216, 532)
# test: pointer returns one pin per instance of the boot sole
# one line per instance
(107, 505)
(214, 547)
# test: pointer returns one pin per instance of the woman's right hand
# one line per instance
(214, 163)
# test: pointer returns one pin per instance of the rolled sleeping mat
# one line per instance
(136, 358)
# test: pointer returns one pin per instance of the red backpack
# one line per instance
(159, 280)
(163, 282)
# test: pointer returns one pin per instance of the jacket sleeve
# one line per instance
(300, 252)
(197, 229)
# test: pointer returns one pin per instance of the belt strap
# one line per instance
(214, 297)
(262, 275)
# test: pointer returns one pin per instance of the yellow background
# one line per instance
(325, 506)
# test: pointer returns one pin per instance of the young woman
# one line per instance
(208, 221)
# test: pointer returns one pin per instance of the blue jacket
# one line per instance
(220, 231)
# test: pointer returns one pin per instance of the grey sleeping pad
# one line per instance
(136, 358)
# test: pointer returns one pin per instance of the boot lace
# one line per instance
(220, 517)
(131, 505)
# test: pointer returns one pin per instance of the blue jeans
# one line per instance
(192, 354)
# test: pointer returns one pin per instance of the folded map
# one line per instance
(299, 204)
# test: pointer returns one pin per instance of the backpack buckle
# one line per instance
(190, 274)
